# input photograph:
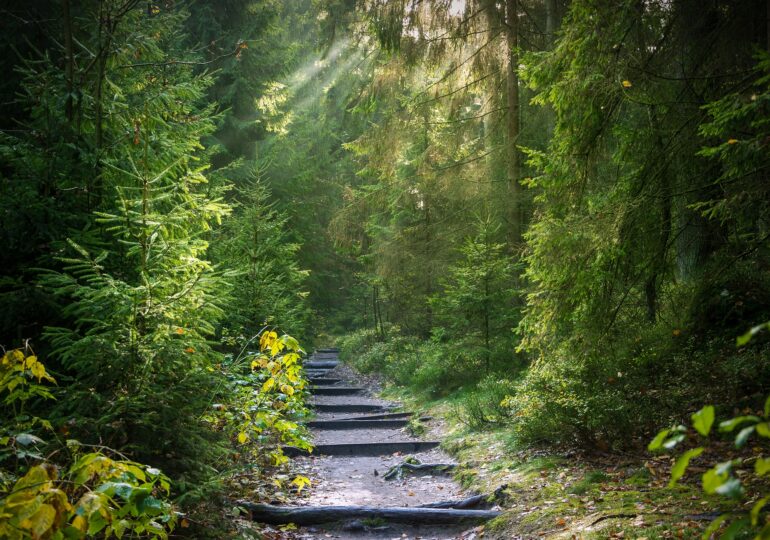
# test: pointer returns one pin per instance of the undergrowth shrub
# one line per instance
(50, 489)
(435, 367)
(617, 397)
(486, 405)
(355, 343)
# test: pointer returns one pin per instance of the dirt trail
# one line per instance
(358, 480)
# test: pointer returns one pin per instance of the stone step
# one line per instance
(336, 390)
(383, 416)
(332, 350)
(321, 381)
(357, 424)
(364, 449)
(348, 407)
(324, 356)
(313, 373)
(320, 364)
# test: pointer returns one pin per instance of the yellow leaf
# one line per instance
(301, 482)
(268, 385)
(243, 437)
(80, 523)
(291, 358)
(627, 84)
(38, 370)
(41, 521)
(732, 141)
(267, 340)
(16, 356)
(287, 389)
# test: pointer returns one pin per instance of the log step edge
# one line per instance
(309, 515)
(357, 424)
(363, 449)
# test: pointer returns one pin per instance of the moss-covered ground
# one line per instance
(566, 493)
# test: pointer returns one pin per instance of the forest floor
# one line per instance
(359, 480)
(568, 493)
(551, 494)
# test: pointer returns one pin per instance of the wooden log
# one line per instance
(385, 416)
(397, 471)
(312, 373)
(320, 364)
(364, 449)
(357, 424)
(321, 381)
(470, 502)
(336, 390)
(332, 350)
(347, 407)
(323, 356)
(314, 515)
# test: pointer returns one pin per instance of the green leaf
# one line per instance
(767, 407)
(715, 477)
(763, 429)
(657, 442)
(745, 338)
(756, 509)
(26, 439)
(731, 488)
(762, 466)
(673, 441)
(730, 425)
(743, 436)
(679, 468)
(734, 529)
(713, 527)
(703, 420)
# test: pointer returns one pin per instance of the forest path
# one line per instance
(348, 466)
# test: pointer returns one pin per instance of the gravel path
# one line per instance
(348, 480)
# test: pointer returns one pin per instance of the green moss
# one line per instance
(583, 486)
(466, 477)
(640, 477)
(374, 522)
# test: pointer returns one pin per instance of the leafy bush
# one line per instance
(266, 402)
(726, 478)
(486, 405)
(95, 495)
(352, 345)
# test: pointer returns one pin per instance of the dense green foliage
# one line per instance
(554, 209)
(114, 191)
(644, 248)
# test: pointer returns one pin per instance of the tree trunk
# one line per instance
(512, 131)
(551, 19)
(69, 60)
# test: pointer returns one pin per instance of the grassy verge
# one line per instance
(564, 494)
